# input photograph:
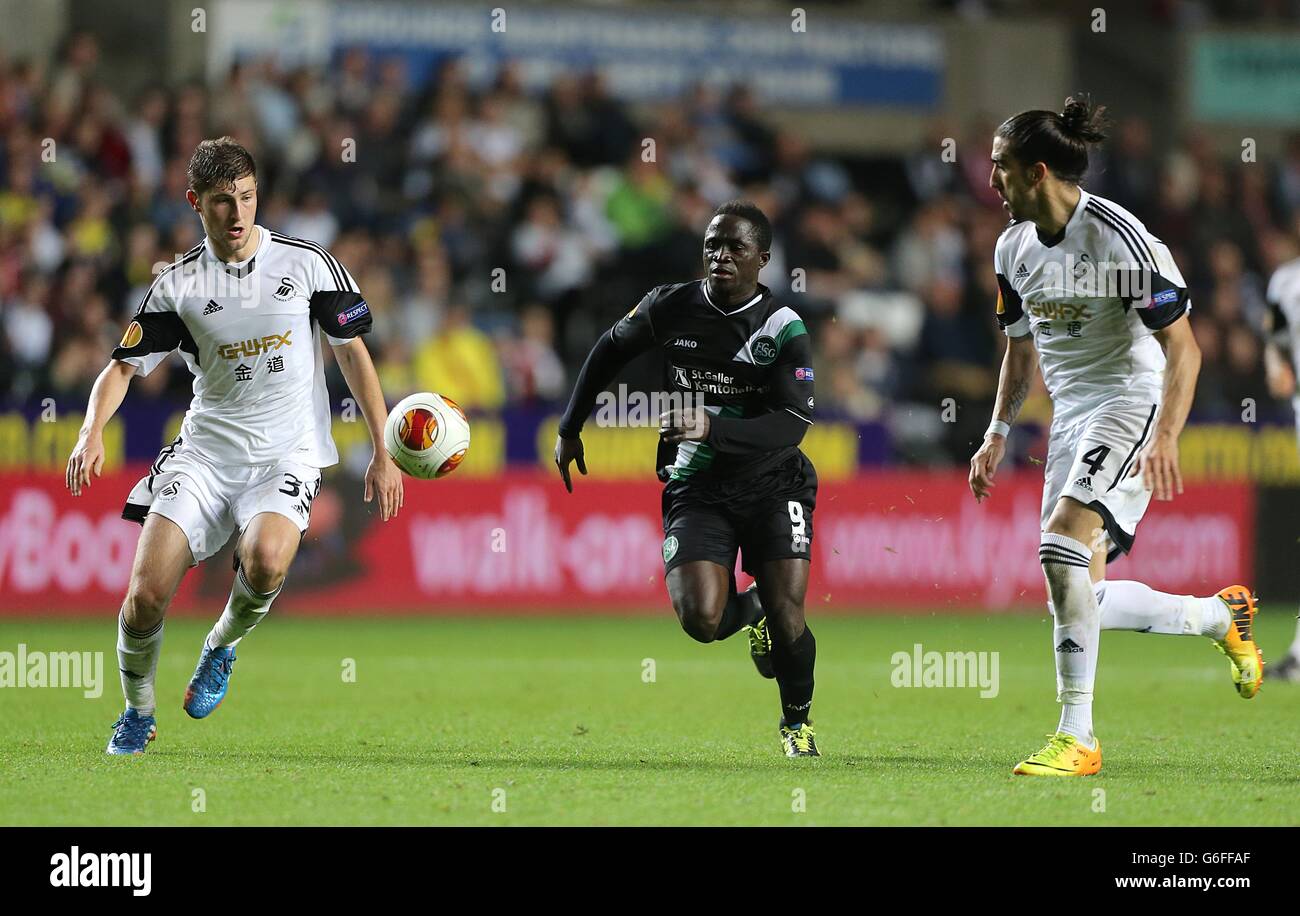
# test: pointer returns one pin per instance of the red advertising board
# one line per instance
(520, 544)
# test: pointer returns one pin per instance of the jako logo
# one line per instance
(685, 342)
(103, 869)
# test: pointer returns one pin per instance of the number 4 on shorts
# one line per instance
(1096, 457)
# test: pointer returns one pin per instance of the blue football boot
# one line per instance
(211, 678)
(132, 733)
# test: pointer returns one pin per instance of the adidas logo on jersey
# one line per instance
(1085, 483)
(1022, 272)
(212, 307)
(1069, 646)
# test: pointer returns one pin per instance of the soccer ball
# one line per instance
(427, 435)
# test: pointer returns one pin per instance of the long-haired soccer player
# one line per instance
(737, 480)
(1097, 300)
(1281, 356)
(246, 308)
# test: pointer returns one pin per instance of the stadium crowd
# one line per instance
(495, 232)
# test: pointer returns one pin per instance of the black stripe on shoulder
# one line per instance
(299, 243)
(187, 258)
(1124, 235)
(1119, 221)
(336, 269)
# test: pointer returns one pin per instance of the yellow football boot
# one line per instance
(1239, 644)
(799, 742)
(1063, 755)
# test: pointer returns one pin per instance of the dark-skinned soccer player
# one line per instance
(740, 366)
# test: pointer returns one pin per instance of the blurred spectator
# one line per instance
(534, 372)
(460, 361)
(556, 258)
(542, 214)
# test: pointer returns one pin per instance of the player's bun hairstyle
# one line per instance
(219, 163)
(748, 210)
(1059, 141)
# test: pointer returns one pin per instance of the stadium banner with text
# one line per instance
(519, 544)
(39, 439)
(1245, 76)
(806, 57)
(35, 438)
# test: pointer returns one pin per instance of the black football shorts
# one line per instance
(768, 517)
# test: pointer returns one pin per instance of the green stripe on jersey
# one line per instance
(781, 325)
(693, 457)
(791, 330)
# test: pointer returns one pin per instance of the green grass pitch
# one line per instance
(449, 720)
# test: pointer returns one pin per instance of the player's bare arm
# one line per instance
(1158, 462)
(1018, 366)
(106, 396)
(383, 479)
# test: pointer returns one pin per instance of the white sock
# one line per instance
(1295, 646)
(244, 610)
(1128, 605)
(1208, 616)
(137, 662)
(1076, 632)
(1076, 719)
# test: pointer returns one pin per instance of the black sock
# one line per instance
(793, 665)
(742, 610)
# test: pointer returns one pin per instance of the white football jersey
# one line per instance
(1091, 296)
(250, 334)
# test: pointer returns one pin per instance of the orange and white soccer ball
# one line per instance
(427, 435)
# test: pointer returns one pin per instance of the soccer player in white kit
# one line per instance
(1088, 292)
(1282, 326)
(246, 308)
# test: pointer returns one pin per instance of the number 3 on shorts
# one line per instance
(798, 537)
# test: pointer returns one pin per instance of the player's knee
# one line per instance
(265, 565)
(145, 604)
(1073, 519)
(785, 622)
(699, 616)
(785, 613)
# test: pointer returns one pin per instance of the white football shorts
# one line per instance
(1091, 461)
(210, 502)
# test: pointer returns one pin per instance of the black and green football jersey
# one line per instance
(743, 362)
